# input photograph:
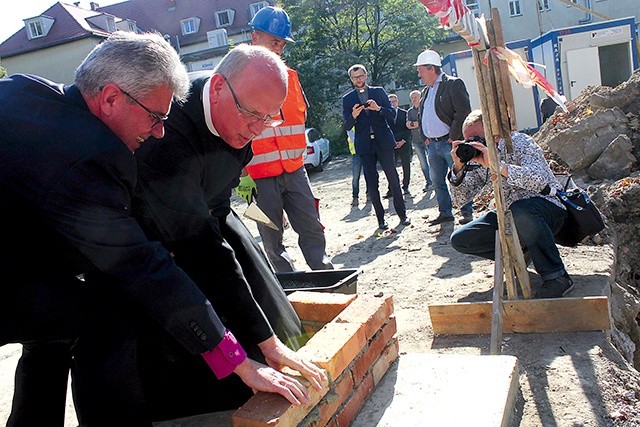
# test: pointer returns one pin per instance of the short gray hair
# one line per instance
(137, 63)
(474, 117)
(415, 92)
(237, 59)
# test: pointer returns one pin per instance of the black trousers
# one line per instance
(387, 162)
(45, 315)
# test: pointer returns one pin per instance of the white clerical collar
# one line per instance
(207, 107)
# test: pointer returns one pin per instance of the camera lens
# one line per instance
(466, 152)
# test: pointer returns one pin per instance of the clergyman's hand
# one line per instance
(264, 378)
(279, 355)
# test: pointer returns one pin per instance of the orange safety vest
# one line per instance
(280, 149)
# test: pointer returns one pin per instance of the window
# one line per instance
(224, 18)
(189, 26)
(543, 5)
(255, 7)
(515, 8)
(473, 6)
(35, 29)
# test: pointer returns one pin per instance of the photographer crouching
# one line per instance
(525, 174)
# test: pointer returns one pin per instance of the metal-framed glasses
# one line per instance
(267, 119)
(157, 118)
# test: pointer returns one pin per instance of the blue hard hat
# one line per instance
(273, 20)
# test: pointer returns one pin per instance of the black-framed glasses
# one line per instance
(358, 77)
(157, 118)
(267, 119)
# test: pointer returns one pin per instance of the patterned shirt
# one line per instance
(528, 174)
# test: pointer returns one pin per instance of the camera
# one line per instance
(366, 104)
(466, 151)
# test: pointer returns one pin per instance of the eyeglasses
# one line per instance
(358, 77)
(157, 118)
(267, 119)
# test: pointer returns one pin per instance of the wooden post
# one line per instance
(498, 111)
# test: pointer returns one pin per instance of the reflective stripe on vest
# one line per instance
(281, 149)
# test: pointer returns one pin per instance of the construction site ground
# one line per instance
(562, 379)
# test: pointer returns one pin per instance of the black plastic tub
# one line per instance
(341, 281)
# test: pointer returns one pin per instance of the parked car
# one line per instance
(318, 151)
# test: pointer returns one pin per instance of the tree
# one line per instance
(384, 35)
(3, 72)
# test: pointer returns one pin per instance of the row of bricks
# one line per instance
(355, 348)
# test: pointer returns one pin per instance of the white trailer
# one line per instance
(603, 53)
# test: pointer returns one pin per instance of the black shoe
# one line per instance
(383, 226)
(388, 195)
(406, 221)
(555, 288)
(466, 218)
(406, 191)
(440, 219)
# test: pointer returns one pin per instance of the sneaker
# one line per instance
(427, 187)
(466, 218)
(406, 221)
(383, 226)
(355, 202)
(555, 288)
(388, 195)
(440, 219)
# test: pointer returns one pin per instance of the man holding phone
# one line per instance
(369, 110)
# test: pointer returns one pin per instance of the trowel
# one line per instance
(255, 213)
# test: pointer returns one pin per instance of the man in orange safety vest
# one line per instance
(277, 166)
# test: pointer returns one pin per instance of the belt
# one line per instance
(440, 138)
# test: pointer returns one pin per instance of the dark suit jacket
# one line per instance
(66, 183)
(452, 104)
(399, 127)
(377, 121)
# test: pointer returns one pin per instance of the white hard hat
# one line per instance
(428, 57)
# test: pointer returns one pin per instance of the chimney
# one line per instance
(94, 5)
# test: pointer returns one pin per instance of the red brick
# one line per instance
(374, 312)
(319, 306)
(355, 402)
(335, 346)
(271, 409)
(334, 399)
(367, 358)
(386, 359)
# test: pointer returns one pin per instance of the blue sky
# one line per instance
(12, 16)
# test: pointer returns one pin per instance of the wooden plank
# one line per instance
(524, 316)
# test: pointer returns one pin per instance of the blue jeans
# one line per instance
(421, 151)
(440, 161)
(537, 221)
(356, 170)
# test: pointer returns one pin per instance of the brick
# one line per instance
(319, 306)
(386, 359)
(335, 398)
(355, 402)
(335, 346)
(372, 311)
(273, 410)
(367, 358)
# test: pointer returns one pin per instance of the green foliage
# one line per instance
(331, 35)
(3, 72)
